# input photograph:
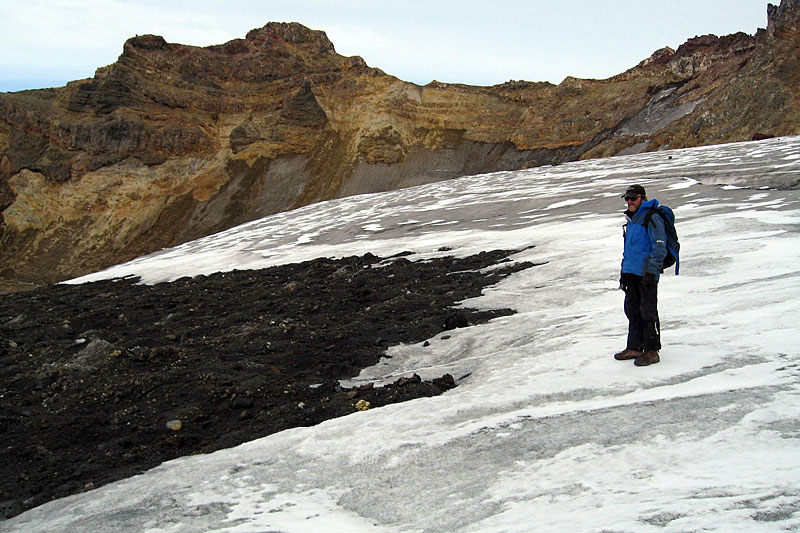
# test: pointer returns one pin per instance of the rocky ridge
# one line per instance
(173, 142)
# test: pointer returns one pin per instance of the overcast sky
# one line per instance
(45, 43)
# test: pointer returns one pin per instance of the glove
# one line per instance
(623, 283)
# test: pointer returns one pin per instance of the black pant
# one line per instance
(641, 308)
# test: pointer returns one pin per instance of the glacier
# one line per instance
(546, 431)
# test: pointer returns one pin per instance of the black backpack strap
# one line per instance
(648, 217)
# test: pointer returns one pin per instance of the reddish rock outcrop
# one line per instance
(174, 142)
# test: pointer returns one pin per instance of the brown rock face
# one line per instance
(174, 142)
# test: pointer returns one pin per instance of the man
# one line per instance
(645, 249)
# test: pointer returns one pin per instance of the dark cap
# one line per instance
(635, 190)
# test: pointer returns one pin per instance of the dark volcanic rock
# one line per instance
(104, 380)
(304, 109)
(780, 18)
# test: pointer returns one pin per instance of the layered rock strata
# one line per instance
(173, 142)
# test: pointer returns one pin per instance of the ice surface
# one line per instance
(546, 431)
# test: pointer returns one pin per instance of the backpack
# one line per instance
(673, 246)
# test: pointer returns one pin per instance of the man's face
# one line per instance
(634, 202)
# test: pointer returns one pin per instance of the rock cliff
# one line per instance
(174, 142)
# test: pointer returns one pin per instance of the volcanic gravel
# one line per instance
(104, 380)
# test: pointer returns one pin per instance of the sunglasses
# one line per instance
(631, 198)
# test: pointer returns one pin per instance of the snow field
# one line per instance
(546, 431)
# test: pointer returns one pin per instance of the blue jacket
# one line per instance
(645, 247)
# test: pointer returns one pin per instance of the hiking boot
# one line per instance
(627, 353)
(649, 357)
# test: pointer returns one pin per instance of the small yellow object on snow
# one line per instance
(174, 425)
(363, 405)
